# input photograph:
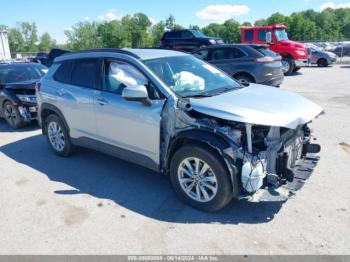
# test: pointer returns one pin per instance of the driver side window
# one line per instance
(118, 75)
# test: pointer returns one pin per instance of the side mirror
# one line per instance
(268, 38)
(136, 93)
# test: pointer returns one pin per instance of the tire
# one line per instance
(12, 115)
(244, 79)
(57, 136)
(287, 65)
(296, 69)
(215, 177)
(322, 63)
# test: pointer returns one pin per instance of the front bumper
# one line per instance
(301, 62)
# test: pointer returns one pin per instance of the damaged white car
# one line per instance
(173, 113)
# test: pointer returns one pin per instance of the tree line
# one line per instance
(138, 31)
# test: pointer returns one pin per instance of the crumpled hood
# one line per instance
(30, 84)
(261, 105)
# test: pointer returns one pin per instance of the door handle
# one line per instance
(102, 101)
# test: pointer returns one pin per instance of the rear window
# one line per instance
(202, 54)
(249, 35)
(265, 51)
(84, 73)
(63, 73)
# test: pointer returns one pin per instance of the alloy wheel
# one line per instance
(197, 179)
(56, 136)
(10, 114)
(285, 66)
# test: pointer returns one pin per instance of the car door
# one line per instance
(130, 127)
(77, 97)
(229, 59)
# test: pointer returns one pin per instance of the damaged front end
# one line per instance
(255, 155)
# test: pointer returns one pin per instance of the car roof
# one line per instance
(140, 54)
(148, 54)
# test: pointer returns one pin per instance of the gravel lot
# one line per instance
(95, 204)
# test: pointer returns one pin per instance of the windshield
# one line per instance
(189, 76)
(281, 34)
(21, 72)
(198, 33)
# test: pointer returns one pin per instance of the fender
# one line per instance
(216, 141)
(52, 108)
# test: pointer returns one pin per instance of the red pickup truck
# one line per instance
(294, 54)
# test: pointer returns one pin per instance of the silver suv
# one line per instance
(176, 114)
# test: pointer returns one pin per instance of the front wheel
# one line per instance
(57, 136)
(287, 65)
(12, 115)
(200, 178)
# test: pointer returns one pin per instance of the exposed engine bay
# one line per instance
(258, 155)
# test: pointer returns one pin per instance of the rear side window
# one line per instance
(174, 34)
(262, 35)
(249, 35)
(85, 73)
(63, 73)
(265, 51)
(186, 34)
(227, 53)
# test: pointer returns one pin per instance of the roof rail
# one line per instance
(111, 50)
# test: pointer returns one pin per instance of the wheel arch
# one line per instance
(244, 73)
(215, 143)
(48, 109)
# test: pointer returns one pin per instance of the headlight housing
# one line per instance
(27, 98)
(212, 41)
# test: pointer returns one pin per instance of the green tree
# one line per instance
(157, 32)
(84, 35)
(30, 35)
(16, 40)
(46, 42)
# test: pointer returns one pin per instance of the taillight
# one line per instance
(161, 42)
(265, 59)
(37, 87)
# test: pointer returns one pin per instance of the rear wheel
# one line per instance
(322, 63)
(12, 115)
(244, 79)
(57, 136)
(287, 65)
(200, 178)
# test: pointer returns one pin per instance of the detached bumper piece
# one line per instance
(28, 112)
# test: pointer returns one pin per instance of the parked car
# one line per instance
(176, 114)
(245, 63)
(320, 57)
(41, 57)
(17, 92)
(294, 54)
(55, 52)
(342, 50)
(187, 40)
